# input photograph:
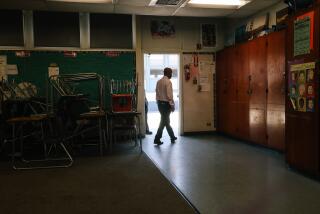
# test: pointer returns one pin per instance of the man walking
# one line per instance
(164, 96)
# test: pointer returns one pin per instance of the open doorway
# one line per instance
(153, 71)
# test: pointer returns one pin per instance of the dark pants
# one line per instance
(165, 110)
(146, 108)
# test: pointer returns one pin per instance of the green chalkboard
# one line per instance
(34, 68)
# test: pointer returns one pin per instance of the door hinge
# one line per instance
(267, 137)
(267, 90)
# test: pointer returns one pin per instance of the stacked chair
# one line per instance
(24, 116)
(123, 118)
(83, 114)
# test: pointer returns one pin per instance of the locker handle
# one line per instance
(225, 85)
(249, 91)
(283, 87)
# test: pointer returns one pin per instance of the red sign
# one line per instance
(72, 54)
(112, 53)
(22, 53)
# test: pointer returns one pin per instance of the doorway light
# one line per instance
(218, 3)
(83, 1)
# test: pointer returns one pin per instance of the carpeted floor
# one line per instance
(119, 183)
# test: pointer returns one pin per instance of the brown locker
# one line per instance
(226, 91)
(301, 147)
(221, 89)
(258, 90)
(251, 107)
(232, 96)
(302, 128)
(276, 90)
(242, 84)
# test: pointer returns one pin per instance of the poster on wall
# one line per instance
(53, 70)
(12, 70)
(302, 87)
(309, 15)
(162, 29)
(208, 35)
(301, 43)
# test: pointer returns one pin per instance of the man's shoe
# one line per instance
(173, 140)
(158, 142)
(148, 132)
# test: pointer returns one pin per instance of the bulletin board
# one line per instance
(198, 92)
(302, 86)
(33, 66)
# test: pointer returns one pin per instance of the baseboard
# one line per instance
(200, 133)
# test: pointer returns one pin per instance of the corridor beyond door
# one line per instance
(153, 71)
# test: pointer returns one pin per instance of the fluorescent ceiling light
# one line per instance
(84, 1)
(218, 3)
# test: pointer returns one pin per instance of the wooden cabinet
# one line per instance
(250, 94)
(222, 90)
(258, 87)
(242, 92)
(276, 90)
(302, 128)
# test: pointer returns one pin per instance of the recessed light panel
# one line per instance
(217, 3)
(83, 1)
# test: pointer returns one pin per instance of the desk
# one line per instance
(111, 116)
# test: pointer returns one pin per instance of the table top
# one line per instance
(92, 114)
(123, 114)
(34, 117)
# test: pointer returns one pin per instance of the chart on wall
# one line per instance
(303, 34)
(302, 86)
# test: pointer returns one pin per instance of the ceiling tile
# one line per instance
(98, 8)
(134, 2)
(201, 12)
(259, 4)
(241, 13)
(156, 11)
(140, 7)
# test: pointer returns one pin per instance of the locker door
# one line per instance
(221, 89)
(258, 86)
(301, 151)
(232, 97)
(276, 90)
(242, 78)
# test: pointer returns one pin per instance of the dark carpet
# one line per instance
(119, 183)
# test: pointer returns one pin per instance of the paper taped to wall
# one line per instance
(3, 75)
(3, 60)
(53, 71)
(11, 70)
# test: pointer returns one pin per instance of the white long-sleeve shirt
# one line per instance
(164, 90)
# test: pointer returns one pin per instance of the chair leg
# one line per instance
(135, 136)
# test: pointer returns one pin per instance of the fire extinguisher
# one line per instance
(187, 72)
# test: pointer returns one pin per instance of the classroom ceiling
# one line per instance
(139, 7)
